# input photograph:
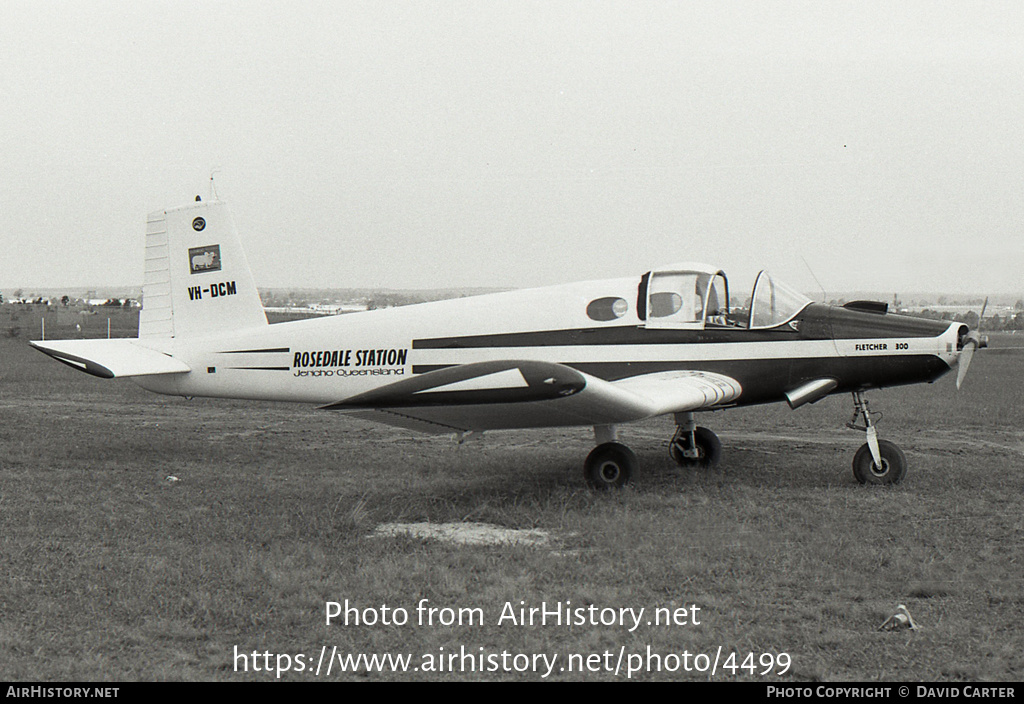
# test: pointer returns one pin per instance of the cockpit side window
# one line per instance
(665, 304)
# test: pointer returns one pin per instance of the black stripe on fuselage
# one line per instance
(766, 380)
(618, 335)
(271, 349)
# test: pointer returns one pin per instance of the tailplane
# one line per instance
(197, 281)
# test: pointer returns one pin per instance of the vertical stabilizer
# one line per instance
(197, 281)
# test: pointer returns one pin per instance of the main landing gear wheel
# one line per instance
(609, 466)
(703, 451)
(892, 471)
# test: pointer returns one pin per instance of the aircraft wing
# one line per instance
(532, 394)
(111, 358)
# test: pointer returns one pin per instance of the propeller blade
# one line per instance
(966, 354)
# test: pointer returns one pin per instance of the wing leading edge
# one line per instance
(532, 394)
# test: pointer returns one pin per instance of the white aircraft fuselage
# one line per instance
(328, 360)
(595, 353)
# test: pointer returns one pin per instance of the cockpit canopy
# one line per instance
(685, 295)
(691, 296)
(774, 303)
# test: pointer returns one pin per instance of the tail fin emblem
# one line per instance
(203, 259)
(198, 224)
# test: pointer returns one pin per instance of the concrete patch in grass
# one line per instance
(465, 533)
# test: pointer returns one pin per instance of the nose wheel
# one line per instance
(877, 461)
(892, 469)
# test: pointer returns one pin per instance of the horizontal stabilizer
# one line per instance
(111, 358)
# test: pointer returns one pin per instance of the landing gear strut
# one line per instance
(877, 461)
(611, 464)
(694, 446)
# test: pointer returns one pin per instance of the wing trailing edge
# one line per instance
(111, 358)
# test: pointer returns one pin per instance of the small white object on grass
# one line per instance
(171, 478)
(900, 619)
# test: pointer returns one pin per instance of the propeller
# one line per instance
(971, 342)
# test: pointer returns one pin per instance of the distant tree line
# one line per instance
(67, 301)
(992, 323)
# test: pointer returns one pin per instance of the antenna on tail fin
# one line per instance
(213, 187)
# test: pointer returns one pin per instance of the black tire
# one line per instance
(609, 466)
(894, 464)
(709, 448)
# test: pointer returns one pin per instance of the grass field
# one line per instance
(113, 571)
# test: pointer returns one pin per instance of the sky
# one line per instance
(863, 145)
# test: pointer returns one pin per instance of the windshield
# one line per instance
(773, 303)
